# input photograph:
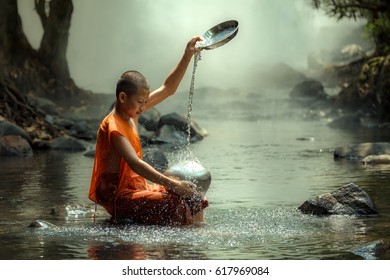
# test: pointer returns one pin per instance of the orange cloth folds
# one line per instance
(127, 191)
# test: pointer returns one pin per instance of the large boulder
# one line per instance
(82, 130)
(68, 143)
(150, 119)
(147, 137)
(308, 89)
(173, 128)
(43, 105)
(349, 199)
(7, 128)
(169, 134)
(14, 145)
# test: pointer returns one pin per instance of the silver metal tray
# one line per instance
(218, 35)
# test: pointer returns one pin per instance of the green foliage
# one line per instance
(376, 12)
(377, 29)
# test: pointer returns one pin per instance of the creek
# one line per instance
(266, 157)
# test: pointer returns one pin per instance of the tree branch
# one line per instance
(13, 93)
(361, 5)
(350, 8)
(40, 7)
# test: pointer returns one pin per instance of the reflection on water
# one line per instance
(261, 174)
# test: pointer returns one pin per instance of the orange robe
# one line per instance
(127, 194)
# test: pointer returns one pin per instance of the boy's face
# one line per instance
(135, 104)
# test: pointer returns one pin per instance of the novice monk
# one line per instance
(119, 174)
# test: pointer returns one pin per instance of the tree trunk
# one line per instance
(24, 70)
(13, 44)
(56, 24)
(42, 72)
(14, 52)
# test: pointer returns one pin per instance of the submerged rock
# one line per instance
(377, 250)
(349, 199)
(40, 224)
(376, 159)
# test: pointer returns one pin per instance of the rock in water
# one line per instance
(359, 151)
(376, 159)
(41, 224)
(376, 250)
(349, 199)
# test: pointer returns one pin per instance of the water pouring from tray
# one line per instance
(190, 168)
(213, 38)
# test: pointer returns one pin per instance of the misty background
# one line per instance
(266, 153)
(110, 37)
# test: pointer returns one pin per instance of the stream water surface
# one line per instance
(266, 157)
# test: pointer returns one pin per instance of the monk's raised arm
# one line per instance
(174, 78)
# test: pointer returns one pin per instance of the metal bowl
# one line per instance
(191, 171)
(218, 35)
